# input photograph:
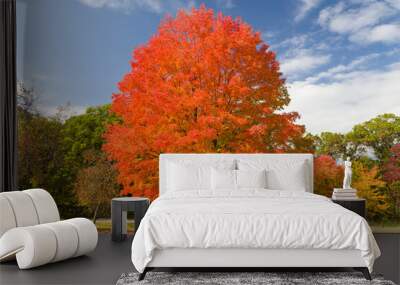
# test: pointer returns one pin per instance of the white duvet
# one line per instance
(250, 219)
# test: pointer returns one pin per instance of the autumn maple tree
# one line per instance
(369, 185)
(327, 175)
(391, 174)
(391, 168)
(203, 83)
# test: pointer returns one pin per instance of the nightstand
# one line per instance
(357, 205)
(119, 208)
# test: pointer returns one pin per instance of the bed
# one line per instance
(247, 210)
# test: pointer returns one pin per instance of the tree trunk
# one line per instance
(95, 213)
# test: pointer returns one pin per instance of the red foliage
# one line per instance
(327, 175)
(203, 83)
(391, 169)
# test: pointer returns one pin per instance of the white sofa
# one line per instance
(31, 230)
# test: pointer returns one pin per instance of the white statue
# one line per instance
(347, 174)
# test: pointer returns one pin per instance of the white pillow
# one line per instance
(251, 178)
(292, 178)
(188, 177)
(187, 174)
(223, 179)
(281, 174)
(228, 179)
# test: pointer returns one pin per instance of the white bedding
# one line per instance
(252, 218)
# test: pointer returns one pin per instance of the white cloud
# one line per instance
(339, 71)
(362, 20)
(386, 33)
(352, 98)
(304, 60)
(341, 20)
(266, 35)
(288, 47)
(394, 3)
(227, 4)
(113, 4)
(295, 42)
(305, 7)
(126, 6)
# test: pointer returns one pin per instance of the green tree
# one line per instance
(332, 144)
(51, 148)
(380, 134)
(41, 160)
(83, 137)
(85, 132)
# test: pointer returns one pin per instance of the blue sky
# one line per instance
(341, 58)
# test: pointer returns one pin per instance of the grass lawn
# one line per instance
(386, 228)
(104, 225)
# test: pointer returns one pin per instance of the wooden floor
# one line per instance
(111, 259)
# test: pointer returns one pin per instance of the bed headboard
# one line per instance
(164, 158)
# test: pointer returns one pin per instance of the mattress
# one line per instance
(250, 219)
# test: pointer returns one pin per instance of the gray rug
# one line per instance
(269, 278)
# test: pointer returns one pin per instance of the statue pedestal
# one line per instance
(344, 194)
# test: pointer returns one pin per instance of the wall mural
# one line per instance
(106, 86)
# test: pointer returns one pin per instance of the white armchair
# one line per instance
(31, 230)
